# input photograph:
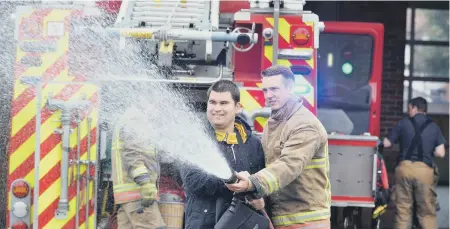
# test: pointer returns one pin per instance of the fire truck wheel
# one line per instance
(352, 218)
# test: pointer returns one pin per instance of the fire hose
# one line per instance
(242, 38)
(238, 211)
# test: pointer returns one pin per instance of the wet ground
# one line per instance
(443, 214)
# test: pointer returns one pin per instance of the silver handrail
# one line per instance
(251, 116)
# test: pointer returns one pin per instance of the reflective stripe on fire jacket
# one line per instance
(321, 162)
(301, 217)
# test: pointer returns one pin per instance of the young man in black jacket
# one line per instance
(207, 196)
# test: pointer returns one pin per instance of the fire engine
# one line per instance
(58, 146)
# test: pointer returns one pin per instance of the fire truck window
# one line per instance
(345, 66)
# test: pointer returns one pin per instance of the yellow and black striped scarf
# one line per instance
(231, 138)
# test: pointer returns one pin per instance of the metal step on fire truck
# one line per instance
(57, 153)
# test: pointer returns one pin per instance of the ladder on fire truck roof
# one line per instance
(199, 14)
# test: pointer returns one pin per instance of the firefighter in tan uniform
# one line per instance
(296, 147)
(135, 172)
(420, 141)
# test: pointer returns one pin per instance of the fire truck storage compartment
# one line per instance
(352, 162)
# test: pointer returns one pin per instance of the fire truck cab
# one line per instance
(58, 160)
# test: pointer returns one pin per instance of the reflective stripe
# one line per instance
(118, 158)
(124, 197)
(317, 163)
(327, 168)
(320, 224)
(271, 180)
(316, 225)
(151, 150)
(139, 171)
(301, 217)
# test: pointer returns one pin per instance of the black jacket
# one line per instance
(207, 194)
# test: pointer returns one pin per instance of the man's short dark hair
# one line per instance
(274, 70)
(226, 86)
(420, 103)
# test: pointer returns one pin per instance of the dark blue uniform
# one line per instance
(414, 174)
(430, 137)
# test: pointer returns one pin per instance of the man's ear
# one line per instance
(290, 87)
(289, 84)
(238, 108)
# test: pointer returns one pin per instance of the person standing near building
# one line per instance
(296, 147)
(420, 141)
(135, 174)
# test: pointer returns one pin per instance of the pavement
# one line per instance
(443, 215)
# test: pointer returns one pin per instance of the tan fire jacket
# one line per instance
(133, 160)
(297, 173)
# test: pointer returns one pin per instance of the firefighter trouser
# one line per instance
(133, 216)
(436, 181)
(320, 224)
(414, 189)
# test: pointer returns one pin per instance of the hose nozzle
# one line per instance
(232, 179)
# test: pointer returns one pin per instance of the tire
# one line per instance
(352, 218)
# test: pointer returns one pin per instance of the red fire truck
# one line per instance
(57, 174)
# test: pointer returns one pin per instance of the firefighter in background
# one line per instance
(135, 173)
(296, 148)
(420, 141)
